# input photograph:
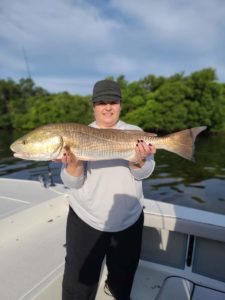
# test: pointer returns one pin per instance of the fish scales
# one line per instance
(102, 143)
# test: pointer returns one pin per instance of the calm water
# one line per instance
(175, 180)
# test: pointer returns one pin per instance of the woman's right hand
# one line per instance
(68, 158)
(74, 166)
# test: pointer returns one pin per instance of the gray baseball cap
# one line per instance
(106, 91)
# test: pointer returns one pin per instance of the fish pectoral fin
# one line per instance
(67, 148)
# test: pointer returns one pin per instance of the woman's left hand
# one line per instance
(142, 151)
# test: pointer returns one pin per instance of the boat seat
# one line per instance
(175, 287)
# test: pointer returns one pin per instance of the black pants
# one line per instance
(86, 249)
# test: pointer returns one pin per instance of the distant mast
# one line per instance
(26, 62)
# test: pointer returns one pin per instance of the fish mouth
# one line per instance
(23, 156)
(30, 157)
(12, 147)
(18, 154)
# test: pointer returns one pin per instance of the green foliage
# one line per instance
(57, 108)
(207, 100)
(154, 103)
(152, 83)
(14, 99)
(178, 102)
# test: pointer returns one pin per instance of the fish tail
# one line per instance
(182, 142)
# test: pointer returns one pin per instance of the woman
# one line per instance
(105, 219)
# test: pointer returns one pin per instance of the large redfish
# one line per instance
(87, 143)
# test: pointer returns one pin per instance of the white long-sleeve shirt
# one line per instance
(108, 195)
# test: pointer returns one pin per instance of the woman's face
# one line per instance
(107, 113)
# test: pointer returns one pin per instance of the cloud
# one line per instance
(10, 61)
(74, 41)
(57, 23)
(67, 39)
(75, 85)
(115, 64)
(190, 23)
(174, 36)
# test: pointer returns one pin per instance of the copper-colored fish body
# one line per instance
(87, 143)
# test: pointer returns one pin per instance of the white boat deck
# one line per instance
(32, 236)
(17, 195)
(148, 281)
(32, 239)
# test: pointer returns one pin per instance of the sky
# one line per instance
(68, 45)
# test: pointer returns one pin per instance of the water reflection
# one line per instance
(200, 184)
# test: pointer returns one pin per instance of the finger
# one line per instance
(144, 146)
(143, 149)
(69, 157)
(72, 157)
(138, 150)
(64, 158)
(152, 149)
(146, 149)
